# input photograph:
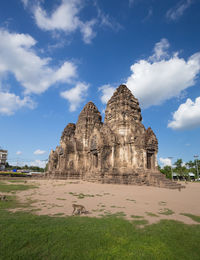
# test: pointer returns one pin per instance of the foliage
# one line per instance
(180, 169)
(190, 164)
(26, 167)
(167, 171)
(13, 174)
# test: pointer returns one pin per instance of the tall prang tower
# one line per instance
(120, 150)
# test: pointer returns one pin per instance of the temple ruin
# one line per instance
(118, 150)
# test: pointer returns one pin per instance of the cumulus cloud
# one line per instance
(10, 103)
(177, 11)
(165, 161)
(75, 95)
(107, 92)
(160, 50)
(64, 73)
(38, 163)
(39, 152)
(18, 153)
(87, 31)
(65, 18)
(187, 115)
(34, 73)
(162, 76)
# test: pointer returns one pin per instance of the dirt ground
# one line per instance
(55, 197)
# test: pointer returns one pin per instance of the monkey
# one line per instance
(3, 197)
(78, 209)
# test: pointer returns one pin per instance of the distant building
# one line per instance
(3, 158)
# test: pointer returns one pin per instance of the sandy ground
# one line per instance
(55, 197)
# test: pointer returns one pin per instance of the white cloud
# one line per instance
(64, 73)
(75, 95)
(39, 152)
(149, 14)
(25, 2)
(176, 12)
(107, 92)
(160, 50)
(65, 18)
(9, 103)
(162, 76)
(32, 72)
(87, 31)
(106, 20)
(165, 161)
(38, 163)
(18, 153)
(187, 116)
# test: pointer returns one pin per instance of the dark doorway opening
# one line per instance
(95, 159)
(149, 160)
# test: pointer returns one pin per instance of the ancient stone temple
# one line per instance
(120, 150)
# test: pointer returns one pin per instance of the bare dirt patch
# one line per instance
(55, 197)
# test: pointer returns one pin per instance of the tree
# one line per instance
(196, 165)
(167, 171)
(179, 168)
(7, 165)
(178, 163)
(190, 164)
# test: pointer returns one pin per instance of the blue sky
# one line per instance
(55, 56)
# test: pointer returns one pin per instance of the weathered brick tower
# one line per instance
(120, 150)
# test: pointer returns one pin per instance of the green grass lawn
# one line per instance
(28, 236)
(193, 217)
(4, 187)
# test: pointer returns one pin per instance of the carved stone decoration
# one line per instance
(120, 150)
